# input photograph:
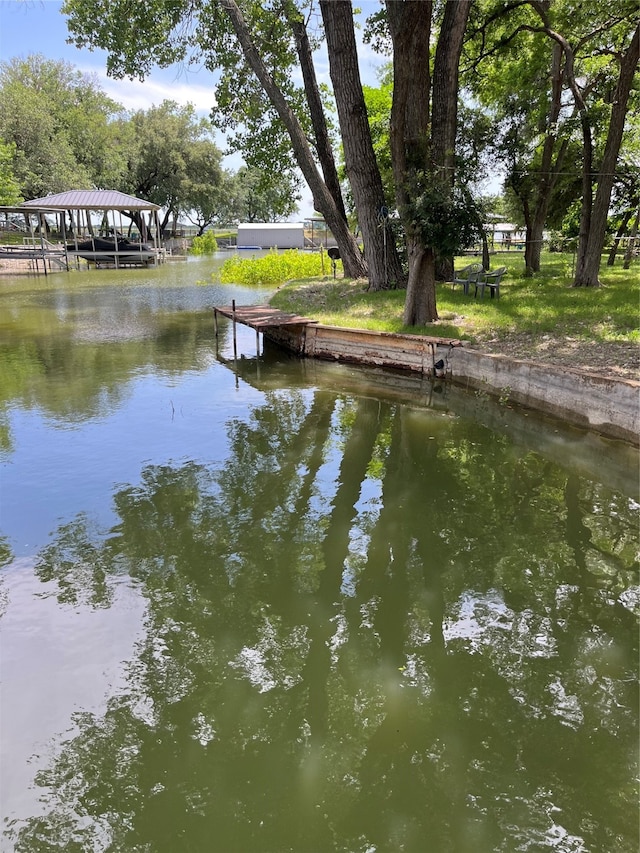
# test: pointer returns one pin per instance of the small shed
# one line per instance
(271, 235)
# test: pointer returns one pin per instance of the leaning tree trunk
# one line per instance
(549, 171)
(352, 260)
(361, 165)
(592, 237)
(324, 148)
(587, 143)
(626, 218)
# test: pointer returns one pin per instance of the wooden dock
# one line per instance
(310, 338)
(258, 317)
(261, 317)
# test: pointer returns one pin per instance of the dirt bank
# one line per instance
(619, 360)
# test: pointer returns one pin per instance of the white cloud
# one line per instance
(137, 95)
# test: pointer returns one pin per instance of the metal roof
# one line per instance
(90, 200)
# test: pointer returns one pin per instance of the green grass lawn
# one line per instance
(543, 304)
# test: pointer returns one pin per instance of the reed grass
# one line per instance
(275, 268)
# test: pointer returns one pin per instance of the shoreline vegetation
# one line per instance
(541, 318)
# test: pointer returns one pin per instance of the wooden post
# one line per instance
(42, 249)
(233, 311)
(215, 321)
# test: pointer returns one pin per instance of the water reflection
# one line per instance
(367, 625)
(52, 342)
(475, 685)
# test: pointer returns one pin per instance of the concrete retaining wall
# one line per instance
(608, 406)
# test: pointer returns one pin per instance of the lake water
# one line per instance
(259, 604)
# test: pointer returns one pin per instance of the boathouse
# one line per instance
(104, 228)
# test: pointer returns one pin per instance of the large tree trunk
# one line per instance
(420, 303)
(410, 27)
(533, 247)
(352, 260)
(384, 265)
(592, 234)
(421, 143)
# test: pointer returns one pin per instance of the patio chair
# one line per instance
(467, 276)
(491, 280)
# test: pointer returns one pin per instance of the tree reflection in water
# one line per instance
(371, 630)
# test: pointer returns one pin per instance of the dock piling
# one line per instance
(235, 345)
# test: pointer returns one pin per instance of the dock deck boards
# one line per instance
(261, 317)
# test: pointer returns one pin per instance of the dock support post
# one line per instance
(215, 321)
(233, 311)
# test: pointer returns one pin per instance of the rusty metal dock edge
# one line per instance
(603, 404)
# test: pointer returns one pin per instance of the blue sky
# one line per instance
(38, 26)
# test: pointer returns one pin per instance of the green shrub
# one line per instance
(273, 269)
(205, 244)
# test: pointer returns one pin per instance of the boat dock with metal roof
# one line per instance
(100, 244)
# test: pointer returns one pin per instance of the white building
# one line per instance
(506, 235)
(271, 235)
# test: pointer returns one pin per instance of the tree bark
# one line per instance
(316, 111)
(626, 218)
(422, 144)
(486, 257)
(420, 304)
(549, 170)
(587, 141)
(444, 108)
(410, 28)
(384, 265)
(592, 233)
(352, 260)
(631, 246)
